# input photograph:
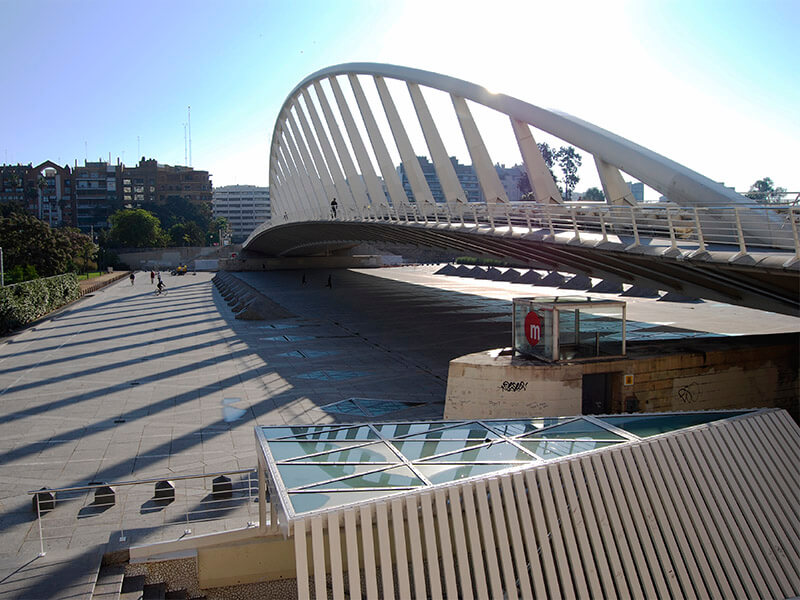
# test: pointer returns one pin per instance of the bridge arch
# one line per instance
(328, 158)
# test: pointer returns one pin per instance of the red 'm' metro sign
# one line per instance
(533, 328)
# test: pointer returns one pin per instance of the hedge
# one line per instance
(23, 303)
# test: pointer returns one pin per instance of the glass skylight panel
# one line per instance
(414, 449)
(303, 502)
(326, 466)
(500, 452)
(371, 453)
(393, 430)
(400, 476)
(645, 425)
(349, 433)
(578, 429)
(444, 473)
(288, 449)
(296, 475)
(473, 431)
(512, 428)
(548, 449)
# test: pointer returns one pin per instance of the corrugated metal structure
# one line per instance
(707, 511)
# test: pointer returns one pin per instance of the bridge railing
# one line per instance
(740, 228)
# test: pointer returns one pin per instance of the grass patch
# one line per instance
(85, 276)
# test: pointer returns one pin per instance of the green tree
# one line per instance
(764, 190)
(27, 241)
(186, 234)
(176, 209)
(594, 194)
(548, 154)
(217, 224)
(136, 228)
(569, 160)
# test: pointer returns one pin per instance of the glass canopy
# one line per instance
(319, 467)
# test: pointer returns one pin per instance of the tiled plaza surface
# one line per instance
(125, 385)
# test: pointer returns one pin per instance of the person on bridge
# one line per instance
(132, 277)
(334, 205)
(152, 277)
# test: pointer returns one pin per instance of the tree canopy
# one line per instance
(764, 190)
(594, 194)
(186, 234)
(32, 247)
(191, 217)
(136, 228)
(567, 158)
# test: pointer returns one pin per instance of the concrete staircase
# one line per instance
(113, 584)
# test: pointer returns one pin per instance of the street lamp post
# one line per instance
(2, 272)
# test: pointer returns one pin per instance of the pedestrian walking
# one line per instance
(152, 277)
(132, 277)
(334, 205)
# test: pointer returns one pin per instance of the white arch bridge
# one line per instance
(327, 145)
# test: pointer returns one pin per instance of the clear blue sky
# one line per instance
(713, 85)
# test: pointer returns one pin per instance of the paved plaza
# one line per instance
(124, 385)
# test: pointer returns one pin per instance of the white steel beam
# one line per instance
(390, 178)
(295, 207)
(451, 187)
(374, 187)
(356, 185)
(342, 189)
(614, 187)
(493, 191)
(544, 187)
(298, 174)
(419, 186)
(316, 154)
(321, 203)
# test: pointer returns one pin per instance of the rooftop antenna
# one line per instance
(189, 128)
(185, 146)
(85, 152)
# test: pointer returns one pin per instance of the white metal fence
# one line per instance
(756, 226)
(146, 510)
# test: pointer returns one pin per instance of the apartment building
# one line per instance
(244, 206)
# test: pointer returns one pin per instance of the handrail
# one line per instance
(741, 227)
(202, 508)
(140, 481)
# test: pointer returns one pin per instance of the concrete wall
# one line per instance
(171, 257)
(301, 262)
(247, 562)
(700, 374)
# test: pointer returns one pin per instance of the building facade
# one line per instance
(44, 190)
(86, 196)
(96, 198)
(244, 206)
(150, 181)
(465, 173)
